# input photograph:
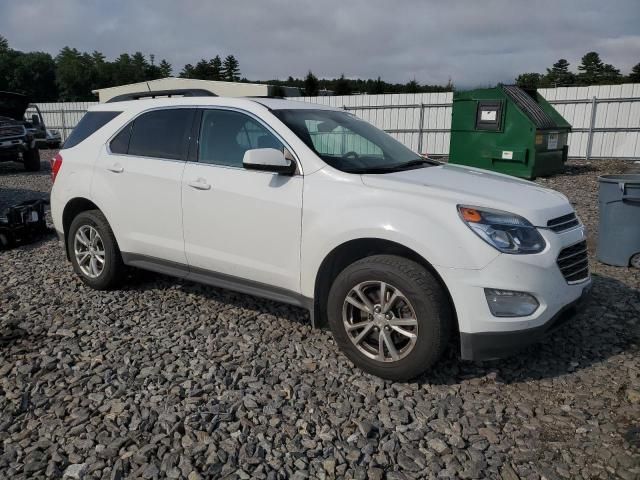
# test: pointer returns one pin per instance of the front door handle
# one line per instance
(116, 168)
(200, 184)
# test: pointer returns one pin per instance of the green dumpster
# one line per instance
(509, 130)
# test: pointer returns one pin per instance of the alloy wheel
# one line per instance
(380, 321)
(89, 251)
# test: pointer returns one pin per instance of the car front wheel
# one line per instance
(390, 316)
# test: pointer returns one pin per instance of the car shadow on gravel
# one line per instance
(608, 325)
(141, 280)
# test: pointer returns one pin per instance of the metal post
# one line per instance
(64, 125)
(592, 124)
(420, 128)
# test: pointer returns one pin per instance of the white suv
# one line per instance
(310, 205)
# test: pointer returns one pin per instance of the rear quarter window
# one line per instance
(161, 134)
(88, 125)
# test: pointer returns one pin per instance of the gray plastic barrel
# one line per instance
(619, 226)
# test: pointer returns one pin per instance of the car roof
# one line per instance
(249, 103)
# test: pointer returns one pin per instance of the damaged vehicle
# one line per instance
(19, 137)
(310, 205)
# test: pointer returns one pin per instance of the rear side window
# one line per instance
(159, 134)
(89, 124)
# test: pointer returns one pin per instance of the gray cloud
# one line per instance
(471, 42)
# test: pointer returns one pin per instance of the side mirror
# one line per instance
(268, 160)
(35, 120)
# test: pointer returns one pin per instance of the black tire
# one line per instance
(31, 160)
(428, 300)
(113, 271)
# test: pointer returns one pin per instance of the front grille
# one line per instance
(574, 263)
(563, 223)
(11, 130)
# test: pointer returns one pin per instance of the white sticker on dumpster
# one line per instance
(488, 115)
(507, 155)
(552, 141)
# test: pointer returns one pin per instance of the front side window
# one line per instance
(226, 135)
(156, 134)
(348, 143)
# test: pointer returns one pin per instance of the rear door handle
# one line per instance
(116, 168)
(200, 184)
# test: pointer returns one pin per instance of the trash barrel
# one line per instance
(619, 225)
(508, 129)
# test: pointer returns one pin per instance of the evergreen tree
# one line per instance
(203, 70)
(139, 68)
(165, 68)
(231, 69)
(610, 75)
(413, 86)
(311, 86)
(4, 45)
(187, 71)
(216, 68)
(559, 74)
(634, 76)
(342, 86)
(375, 87)
(590, 69)
(529, 80)
(74, 75)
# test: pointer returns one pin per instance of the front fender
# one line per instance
(336, 212)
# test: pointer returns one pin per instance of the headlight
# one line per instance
(504, 231)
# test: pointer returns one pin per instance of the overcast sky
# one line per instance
(475, 43)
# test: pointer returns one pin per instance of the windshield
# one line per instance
(348, 143)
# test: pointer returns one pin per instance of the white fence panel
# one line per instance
(63, 116)
(605, 119)
(612, 130)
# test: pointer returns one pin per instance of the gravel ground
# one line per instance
(167, 378)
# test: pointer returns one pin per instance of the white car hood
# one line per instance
(477, 187)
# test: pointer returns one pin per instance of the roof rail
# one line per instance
(180, 92)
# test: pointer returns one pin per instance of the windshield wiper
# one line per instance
(418, 162)
(415, 163)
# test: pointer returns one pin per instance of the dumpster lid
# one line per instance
(527, 104)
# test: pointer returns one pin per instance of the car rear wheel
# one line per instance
(31, 160)
(390, 316)
(94, 252)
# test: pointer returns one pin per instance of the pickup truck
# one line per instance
(19, 137)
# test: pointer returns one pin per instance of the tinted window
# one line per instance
(226, 135)
(162, 134)
(90, 123)
(120, 143)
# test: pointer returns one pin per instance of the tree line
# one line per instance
(591, 71)
(71, 75)
(312, 86)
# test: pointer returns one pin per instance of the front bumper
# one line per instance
(492, 345)
(10, 148)
(485, 336)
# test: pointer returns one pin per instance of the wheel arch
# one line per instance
(71, 210)
(353, 250)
